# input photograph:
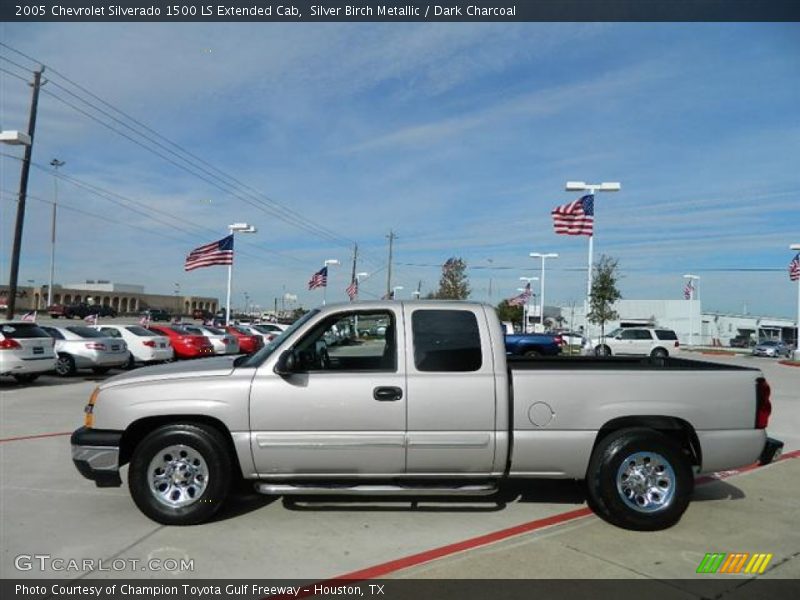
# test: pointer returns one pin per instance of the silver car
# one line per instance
(772, 348)
(82, 347)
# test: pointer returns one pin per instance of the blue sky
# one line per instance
(459, 137)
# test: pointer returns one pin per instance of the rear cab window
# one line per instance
(446, 340)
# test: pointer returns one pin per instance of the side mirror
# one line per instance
(287, 363)
(619, 337)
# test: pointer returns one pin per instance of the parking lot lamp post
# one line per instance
(331, 262)
(526, 308)
(693, 283)
(796, 248)
(55, 163)
(234, 229)
(541, 292)
(592, 188)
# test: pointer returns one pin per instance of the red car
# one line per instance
(247, 343)
(186, 345)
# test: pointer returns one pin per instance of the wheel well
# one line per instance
(137, 431)
(678, 430)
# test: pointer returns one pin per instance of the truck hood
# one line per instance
(205, 367)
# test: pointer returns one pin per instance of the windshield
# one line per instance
(256, 359)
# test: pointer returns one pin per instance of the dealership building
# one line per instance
(686, 317)
(125, 298)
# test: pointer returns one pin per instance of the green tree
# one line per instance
(604, 292)
(454, 283)
(507, 312)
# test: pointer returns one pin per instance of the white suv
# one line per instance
(637, 341)
(26, 351)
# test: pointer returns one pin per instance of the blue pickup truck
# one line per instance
(533, 344)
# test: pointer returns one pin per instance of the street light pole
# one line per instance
(55, 163)
(541, 293)
(592, 188)
(234, 229)
(328, 263)
(693, 283)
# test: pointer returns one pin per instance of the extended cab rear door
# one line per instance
(451, 391)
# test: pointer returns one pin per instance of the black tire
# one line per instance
(669, 489)
(659, 353)
(130, 364)
(100, 370)
(602, 350)
(65, 365)
(177, 504)
(531, 354)
(27, 377)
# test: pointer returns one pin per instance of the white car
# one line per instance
(224, 343)
(272, 330)
(82, 347)
(26, 351)
(145, 345)
(251, 330)
(636, 341)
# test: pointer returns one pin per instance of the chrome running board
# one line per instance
(284, 489)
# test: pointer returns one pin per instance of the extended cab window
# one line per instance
(446, 340)
(357, 341)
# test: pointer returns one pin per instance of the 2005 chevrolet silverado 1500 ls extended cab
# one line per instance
(433, 407)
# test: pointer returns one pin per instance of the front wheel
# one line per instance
(180, 474)
(65, 365)
(639, 479)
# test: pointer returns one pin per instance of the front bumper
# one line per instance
(95, 453)
(772, 450)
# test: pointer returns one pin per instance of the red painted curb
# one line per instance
(34, 437)
(787, 363)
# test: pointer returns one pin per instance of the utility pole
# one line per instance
(23, 191)
(392, 237)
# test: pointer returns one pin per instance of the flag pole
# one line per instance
(228, 296)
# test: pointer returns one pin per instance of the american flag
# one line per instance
(575, 218)
(523, 298)
(91, 319)
(31, 316)
(794, 268)
(215, 253)
(319, 279)
(352, 289)
(688, 290)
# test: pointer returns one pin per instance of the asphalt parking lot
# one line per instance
(543, 530)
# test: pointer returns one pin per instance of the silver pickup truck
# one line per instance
(419, 398)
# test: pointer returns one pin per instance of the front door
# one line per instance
(343, 413)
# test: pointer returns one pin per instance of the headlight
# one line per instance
(88, 410)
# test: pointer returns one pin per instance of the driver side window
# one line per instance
(353, 341)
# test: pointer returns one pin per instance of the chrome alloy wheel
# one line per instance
(178, 476)
(646, 482)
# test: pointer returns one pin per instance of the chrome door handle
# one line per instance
(387, 394)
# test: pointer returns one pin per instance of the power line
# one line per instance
(268, 205)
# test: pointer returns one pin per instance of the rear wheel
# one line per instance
(639, 479)
(602, 350)
(531, 354)
(65, 365)
(180, 474)
(659, 353)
